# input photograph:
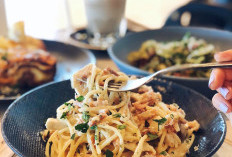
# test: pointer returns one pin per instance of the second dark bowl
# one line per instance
(120, 50)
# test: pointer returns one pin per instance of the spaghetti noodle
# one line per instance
(99, 122)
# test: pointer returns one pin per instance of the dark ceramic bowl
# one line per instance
(26, 117)
(120, 50)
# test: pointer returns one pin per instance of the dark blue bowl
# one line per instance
(26, 117)
(132, 42)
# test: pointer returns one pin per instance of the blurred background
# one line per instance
(44, 17)
(49, 16)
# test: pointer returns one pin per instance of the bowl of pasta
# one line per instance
(145, 52)
(83, 118)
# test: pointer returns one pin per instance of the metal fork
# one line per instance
(133, 84)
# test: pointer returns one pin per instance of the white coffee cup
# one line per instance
(3, 22)
(105, 20)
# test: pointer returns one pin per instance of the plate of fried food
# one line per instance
(83, 118)
(26, 62)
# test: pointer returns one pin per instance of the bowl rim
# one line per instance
(143, 72)
(15, 150)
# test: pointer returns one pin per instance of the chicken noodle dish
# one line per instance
(99, 122)
(153, 55)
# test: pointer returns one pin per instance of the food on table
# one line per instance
(99, 122)
(24, 61)
(153, 55)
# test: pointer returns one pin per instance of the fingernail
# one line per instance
(223, 91)
(223, 107)
(211, 79)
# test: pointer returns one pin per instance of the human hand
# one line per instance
(221, 80)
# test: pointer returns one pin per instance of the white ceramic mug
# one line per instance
(3, 22)
(105, 20)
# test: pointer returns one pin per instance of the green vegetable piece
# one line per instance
(152, 136)
(4, 57)
(86, 105)
(80, 98)
(96, 137)
(172, 116)
(121, 127)
(69, 107)
(64, 115)
(82, 127)
(73, 136)
(67, 103)
(85, 116)
(109, 153)
(160, 121)
(163, 153)
(117, 115)
(94, 127)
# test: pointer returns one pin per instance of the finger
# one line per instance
(228, 74)
(216, 79)
(221, 104)
(223, 56)
(226, 90)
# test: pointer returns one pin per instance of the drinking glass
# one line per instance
(106, 21)
(3, 22)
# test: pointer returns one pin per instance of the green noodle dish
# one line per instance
(155, 55)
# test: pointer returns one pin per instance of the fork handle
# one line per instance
(183, 67)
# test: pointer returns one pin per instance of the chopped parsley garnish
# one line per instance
(82, 127)
(86, 105)
(69, 107)
(172, 116)
(160, 121)
(94, 127)
(67, 103)
(64, 115)
(121, 127)
(85, 116)
(117, 115)
(163, 153)
(4, 57)
(109, 153)
(152, 136)
(73, 136)
(80, 98)
(96, 137)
